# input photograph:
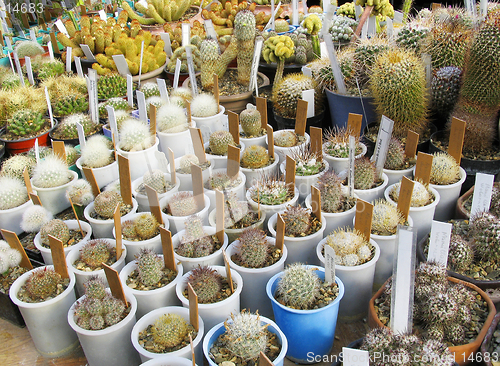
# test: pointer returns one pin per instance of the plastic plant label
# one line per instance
(37, 151)
(192, 75)
(68, 58)
(168, 45)
(403, 280)
(355, 357)
(456, 140)
(94, 112)
(306, 71)
(398, 17)
(308, 96)
(29, 70)
(49, 107)
(337, 73)
(102, 15)
(81, 134)
(483, 7)
(274, 11)
(112, 122)
(389, 28)
(121, 65)
(32, 35)
(371, 25)
(470, 7)
(130, 91)
(329, 264)
(354, 123)
(163, 89)
(8, 44)
(295, 12)
(177, 73)
(304, 8)
(78, 65)
(423, 167)
(88, 53)
(382, 145)
(439, 242)
(364, 29)
(352, 155)
(255, 65)
(327, 21)
(18, 68)
(141, 103)
(162, 161)
(186, 34)
(49, 46)
(59, 24)
(481, 198)
(11, 63)
(140, 62)
(209, 28)
(426, 60)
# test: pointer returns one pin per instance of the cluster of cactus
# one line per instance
(299, 287)
(337, 143)
(34, 218)
(207, 283)
(10, 81)
(395, 159)
(24, 97)
(289, 90)
(445, 86)
(351, 247)
(365, 173)
(42, 284)
(9, 257)
(70, 104)
(212, 61)
(236, 211)
(366, 52)
(95, 252)
(421, 196)
(298, 220)
(96, 153)
(245, 336)
(412, 37)
(485, 235)
(286, 138)
(119, 104)
(254, 248)
(13, 192)
(330, 188)
(255, 157)
(157, 12)
(67, 129)
(135, 135)
(149, 267)
(221, 181)
(180, 54)
(342, 28)
(47, 68)
(304, 52)
(80, 193)
(143, 227)
(386, 218)
(111, 86)
(269, 191)
(99, 309)
(26, 122)
(195, 243)
(277, 49)
(445, 169)
(219, 142)
(250, 121)
(204, 105)
(50, 172)
(347, 10)
(182, 204)
(156, 180)
(180, 96)
(28, 48)
(170, 330)
(460, 254)
(56, 228)
(105, 203)
(381, 8)
(15, 165)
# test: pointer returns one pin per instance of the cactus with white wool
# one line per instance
(96, 153)
(171, 118)
(135, 136)
(50, 172)
(13, 193)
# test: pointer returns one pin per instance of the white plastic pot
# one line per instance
(170, 361)
(340, 164)
(220, 161)
(304, 183)
(369, 195)
(176, 223)
(54, 199)
(253, 175)
(186, 180)
(152, 299)
(260, 141)
(396, 175)
(284, 151)
(233, 234)
(104, 228)
(142, 199)
(72, 225)
(448, 197)
(271, 210)
(208, 125)
(138, 160)
(239, 190)
(214, 259)
(11, 219)
(104, 175)
(180, 142)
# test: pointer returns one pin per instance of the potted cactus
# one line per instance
(81, 195)
(303, 305)
(67, 131)
(112, 85)
(182, 205)
(397, 165)
(256, 258)
(244, 336)
(368, 186)
(183, 170)
(256, 163)
(198, 245)
(355, 262)
(219, 180)
(287, 141)
(14, 200)
(336, 149)
(217, 145)
(251, 131)
(206, 114)
(103, 321)
(157, 180)
(172, 128)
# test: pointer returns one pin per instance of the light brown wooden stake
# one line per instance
(152, 120)
(115, 285)
(233, 161)
(316, 202)
(364, 213)
(27, 181)
(9, 21)
(171, 158)
(53, 39)
(59, 149)
(301, 117)
(125, 184)
(317, 142)
(290, 175)
(48, 17)
(199, 149)
(168, 249)
(216, 89)
(234, 126)
(24, 19)
(42, 23)
(423, 168)
(76, 216)
(262, 108)
(117, 218)
(58, 257)
(83, 10)
(188, 113)
(193, 307)
(411, 144)
(404, 199)
(193, 358)
(219, 219)
(270, 141)
(1, 39)
(228, 271)
(88, 4)
(435, 6)
(197, 180)
(456, 142)
(264, 361)
(354, 122)
(35, 199)
(362, 20)
(280, 233)
(89, 176)
(115, 8)
(12, 239)
(154, 205)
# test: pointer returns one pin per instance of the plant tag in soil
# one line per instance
(168, 45)
(37, 151)
(363, 221)
(316, 135)
(290, 167)
(197, 140)
(329, 264)
(49, 107)
(255, 67)
(371, 25)
(121, 65)
(102, 15)
(125, 184)
(270, 141)
(337, 73)
(355, 357)
(58, 257)
(426, 60)
(192, 75)
(352, 155)
(81, 134)
(186, 35)
(152, 119)
(118, 231)
(29, 70)
(295, 12)
(405, 193)
(69, 51)
(382, 145)
(88, 53)
(439, 242)
(141, 104)
(12, 239)
(398, 17)
(197, 181)
(364, 29)
(18, 68)
(177, 73)
(234, 126)
(79, 69)
(130, 91)
(168, 249)
(481, 198)
(308, 96)
(233, 161)
(89, 176)
(163, 88)
(354, 122)
(389, 27)
(457, 134)
(115, 284)
(280, 232)
(483, 7)
(261, 104)
(411, 144)
(306, 71)
(423, 167)
(94, 110)
(140, 62)
(32, 35)
(10, 60)
(59, 150)
(112, 123)
(403, 280)
(209, 29)
(171, 158)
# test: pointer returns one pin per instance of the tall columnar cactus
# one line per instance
(398, 85)
(51, 172)
(254, 248)
(445, 169)
(219, 141)
(149, 266)
(277, 49)
(206, 282)
(255, 157)
(56, 228)
(13, 192)
(289, 90)
(297, 220)
(250, 120)
(209, 50)
(105, 203)
(299, 286)
(245, 336)
(95, 252)
(330, 188)
(171, 118)
(244, 32)
(25, 122)
(135, 136)
(42, 283)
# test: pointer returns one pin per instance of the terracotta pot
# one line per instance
(461, 352)
(489, 335)
(23, 145)
(460, 211)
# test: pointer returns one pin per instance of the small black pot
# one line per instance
(270, 70)
(289, 123)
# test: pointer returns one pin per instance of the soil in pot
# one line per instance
(43, 285)
(147, 336)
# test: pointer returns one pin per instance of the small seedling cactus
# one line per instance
(255, 157)
(196, 243)
(365, 174)
(13, 192)
(56, 228)
(96, 153)
(307, 161)
(171, 118)
(170, 330)
(34, 217)
(386, 218)
(245, 336)
(254, 248)
(9, 257)
(421, 196)
(182, 204)
(299, 286)
(351, 248)
(95, 252)
(298, 220)
(269, 191)
(150, 267)
(445, 169)
(150, 89)
(119, 104)
(250, 120)
(80, 193)
(146, 226)
(207, 283)
(285, 139)
(105, 203)
(42, 284)
(204, 105)
(219, 141)
(50, 172)
(186, 161)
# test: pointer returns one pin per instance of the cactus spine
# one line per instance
(13, 193)
(255, 157)
(51, 172)
(206, 282)
(42, 284)
(250, 121)
(245, 336)
(244, 32)
(150, 267)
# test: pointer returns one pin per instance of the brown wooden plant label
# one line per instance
(364, 213)
(168, 249)
(115, 285)
(193, 307)
(188, 110)
(59, 150)
(53, 39)
(263, 360)
(193, 358)
(27, 180)
(154, 204)
(228, 271)
(76, 216)
(219, 220)
(270, 141)
(234, 126)
(316, 202)
(197, 140)
(58, 257)
(290, 175)
(12, 239)
(456, 142)
(125, 185)
(354, 122)
(261, 104)
(171, 159)
(197, 182)
(280, 232)
(233, 161)
(301, 117)
(83, 10)
(423, 168)
(152, 119)
(216, 88)
(89, 176)
(411, 144)
(317, 142)
(118, 231)
(404, 200)
(35, 199)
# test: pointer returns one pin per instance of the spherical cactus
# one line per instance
(289, 91)
(150, 89)
(184, 93)
(420, 196)
(169, 330)
(445, 86)
(95, 252)
(250, 120)
(245, 336)
(15, 165)
(186, 161)
(461, 254)
(57, 228)
(330, 188)
(485, 231)
(365, 174)
(254, 248)
(204, 105)
(281, 25)
(285, 139)
(347, 244)
(13, 193)
(171, 118)
(182, 204)
(206, 282)
(297, 220)
(9, 257)
(28, 48)
(155, 179)
(149, 266)
(395, 159)
(51, 172)
(34, 217)
(135, 136)
(25, 122)
(219, 141)
(95, 288)
(445, 169)
(42, 283)
(96, 153)
(119, 104)
(67, 128)
(105, 203)
(146, 226)
(299, 286)
(111, 85)
(80, 193)
(386, 218)
(220, 181)
(255, 157)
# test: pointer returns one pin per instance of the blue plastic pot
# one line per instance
(310, 333)
(342, 105)
(219, 329)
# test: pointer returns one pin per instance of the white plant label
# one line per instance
(372, 25)
(308, 96)
(426, 60)
(192, 75)
(121, 64)
(295, 12)
(352, 156)
(274, 11)
(364, 30)
(177, 72)
(68, 59)
(88, 53)
(255, 64)
(162, 161)
(382, 145)
(19, 69)
(93, 102)
(470, 6)
(51, 50)
(329, 264)
(168, 45)
(140, 62)
(59, 24)
(209, 29)
(11, 63)
(49, 107)
(481, 198)
(337, 73)
(32, 35)
(130, 91)
(37, 151)
(112, 122)
(483, 7)
(327, 21)
(389, 28)
(306, 71)
(102, 14)
(8, 44)
(141, 103)
(398, 17)
(81, 134)
(439, 242)
(4, 26)
(29, 70)
(79, 69)
(163, 89)
(403, 281)
(355, 357)
(186, 34)
(304, 7)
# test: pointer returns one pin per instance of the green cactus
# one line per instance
(170, 330)
(111, 85)
(250, 121)
(219, 141)
(42, 284)
(395, 159)
(180, 54)
(11, 81)
(150, 267)
(269, 191)
(195, 243)
(146, 226)
(209, 51)
(445, 169)
(254, 248)
(135, 135)
(70, 104)
(67, 128)
(13, 192)
(119, 104)
(206, 283)
(221, 181)
(204, 105)
(244, 32)
(386, 218)
(286, 138)
(298, 287)
(149, 90)
(297, 219)
(412, 37)
(105, 203)
(245, 336)
(255, 157)
(26, 122)
(330, 188)
(460, 255)
(182, 204)
(95, 252)
(57, 228)
(277, 49)
(365, 174)
(289, 90)
(15, 165)
(351, 248)
(171, 118)
(49, 69)
(445, 87)
(281, 26)
(156, 180)
(485, 231)
(52, 171)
